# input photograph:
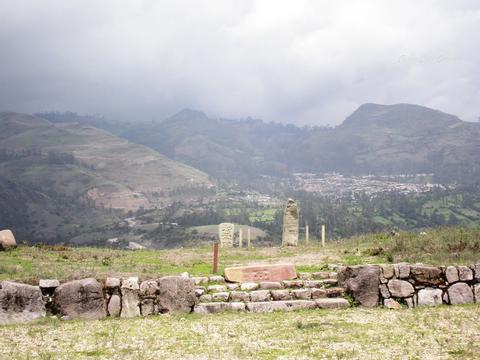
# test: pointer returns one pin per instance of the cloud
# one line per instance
(306, 62)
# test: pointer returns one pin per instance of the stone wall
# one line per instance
(411, 285)
(371, 285)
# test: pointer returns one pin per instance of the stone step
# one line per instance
(270, 306)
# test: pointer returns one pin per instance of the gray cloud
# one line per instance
(306, 62)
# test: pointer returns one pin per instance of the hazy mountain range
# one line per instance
(381, 139)
(61, 175)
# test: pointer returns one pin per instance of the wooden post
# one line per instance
(215, 257)
(323, 235)
(249, 238)
(240, 238)
(306, 234)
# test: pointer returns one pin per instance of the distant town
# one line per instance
(336, 185)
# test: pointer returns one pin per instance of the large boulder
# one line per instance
(7, 240)
(460, 293)
(361, 282)
(80, 299)
(427, 275)
(20, 302)
(176, 294)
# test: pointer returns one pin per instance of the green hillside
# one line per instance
(59, 179)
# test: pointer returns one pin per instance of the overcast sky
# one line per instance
(304, 62)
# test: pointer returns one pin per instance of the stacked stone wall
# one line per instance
(392, 286)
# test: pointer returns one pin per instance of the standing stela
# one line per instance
(290, 224)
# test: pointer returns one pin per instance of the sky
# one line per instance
(301, 62)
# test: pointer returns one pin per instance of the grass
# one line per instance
(447, 332)
(436, 247)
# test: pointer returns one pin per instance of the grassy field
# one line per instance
(446, 332)
(441, 246)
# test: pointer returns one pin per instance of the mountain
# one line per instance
(378, 139)
(402, 138)
(55, 178)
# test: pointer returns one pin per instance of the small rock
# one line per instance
(205, 298)
(199, 291)
(338, 303)
(48, 283)
(114, 306)
(318, 293)
(233, 286)
(289, 305)
(149, 288)
(410, 302)
(476, 292)
(460, 293)
(220, 296)
(305, 276)
(212, 308)
(292, 284)
(384, 291)
(249, 286)
(391, 304)
(400, 288)
(112, 283)
(147, 307)
(260, 295)
(278, 295)
(131, 283)
(269, 285)
(451, 273)
(402, 271)
(427, 275)
(240, 296)
(313, 283)
(476, 269)
(335, 292)
(430, 297)
(216, 279)
(330, 282)
(217, 288)
(200, 280)
(388, 271)
(321, 275)
(465, 273)
(185, 274)
(302, 294)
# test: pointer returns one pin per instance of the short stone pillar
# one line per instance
(290, 224)
(225, 234)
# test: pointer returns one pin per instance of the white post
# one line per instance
(323, 235)
(306, 234)
(240, 238)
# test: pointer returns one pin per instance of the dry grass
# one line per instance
(446, 332)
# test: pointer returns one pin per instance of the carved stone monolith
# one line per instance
(225, 234)
(290, 224)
